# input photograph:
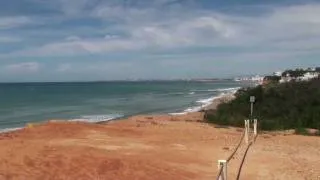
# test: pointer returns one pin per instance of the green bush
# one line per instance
(301, 131)
(293, 105)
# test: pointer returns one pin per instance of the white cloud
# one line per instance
(73, 7)
(9, 39)
(73, 38)
(285, 24)
(191, 32)
(67, 7)
(298, 14)
(64, 67)
(177, 27)
(22, 68)
(80, 47)
(110, 36)
(12, 22)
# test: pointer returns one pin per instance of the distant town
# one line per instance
(283, 76)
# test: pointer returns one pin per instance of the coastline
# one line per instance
(156, 146)
(192, 113)
(161, 119)
(153, 147)
(195, 115)
(225, 98)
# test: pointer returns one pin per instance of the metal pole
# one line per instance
(252, 100)
(251, 117)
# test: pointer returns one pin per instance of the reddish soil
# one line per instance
(151, 147)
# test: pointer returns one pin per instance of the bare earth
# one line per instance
(151, 147)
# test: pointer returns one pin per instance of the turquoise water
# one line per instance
(100, 101)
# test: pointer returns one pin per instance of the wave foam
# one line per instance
(233, 89)
(178, 113)
(209, 100)
(97, 118)
(5, 130)
(89, 118)
(202, 103)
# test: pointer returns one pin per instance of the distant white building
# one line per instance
(308, 76)
(285, 79)
(257, 78)
(278, 73)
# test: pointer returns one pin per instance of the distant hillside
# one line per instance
(294, 105)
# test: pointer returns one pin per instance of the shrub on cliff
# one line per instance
(293, 105)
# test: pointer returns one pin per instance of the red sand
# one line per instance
(151, 147)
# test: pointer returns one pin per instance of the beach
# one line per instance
(103, 101)
(151, 147)
(159, 90)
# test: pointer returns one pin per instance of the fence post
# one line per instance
(255, 126)
(223, 164)
(247, 127)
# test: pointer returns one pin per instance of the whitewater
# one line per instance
(94, 102)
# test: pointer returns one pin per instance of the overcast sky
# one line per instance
(67, 40)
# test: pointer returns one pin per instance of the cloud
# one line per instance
(22, 68)
(13, 22)
(73, 38)
(110, 36)
(288, 27)
(65, 67)
(205, 30)
(80, 47)
(66, 7)
(165, 26)
(190, 32)
(73, 7)
(9, 39)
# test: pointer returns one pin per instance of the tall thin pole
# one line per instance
(247, 127)
(252, 100)
(251, 111)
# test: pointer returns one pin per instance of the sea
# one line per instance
(22, 103)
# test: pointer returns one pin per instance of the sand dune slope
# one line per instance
(150, 148)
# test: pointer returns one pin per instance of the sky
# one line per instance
(93, 40)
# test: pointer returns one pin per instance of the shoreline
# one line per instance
(225, 98)
(149, 147)
(156, 146)
(211, 103)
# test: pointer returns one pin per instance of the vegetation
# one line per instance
(299, 72)
(294, 105)
(295, 73)
(272, 79)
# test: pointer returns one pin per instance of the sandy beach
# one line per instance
(154, 147)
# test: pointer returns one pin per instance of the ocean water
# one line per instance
(22, 103)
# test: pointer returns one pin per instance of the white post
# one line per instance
(255, 126)
(224, 170)
(247, 127)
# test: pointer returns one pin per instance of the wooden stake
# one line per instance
(247, 127)
(255, 127)
(224, 171)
